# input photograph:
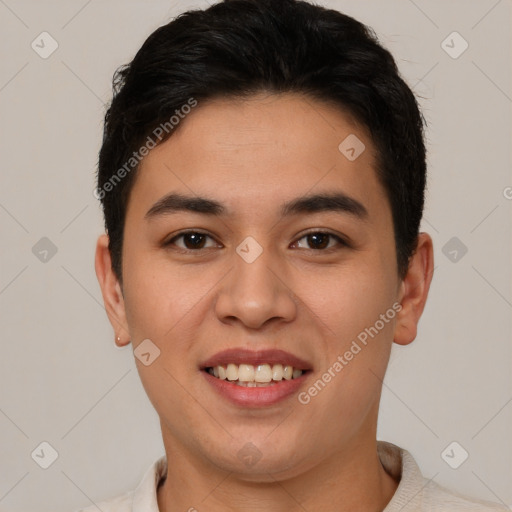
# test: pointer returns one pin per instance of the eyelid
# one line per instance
(342, 241)
(179, 234)
(339, 237)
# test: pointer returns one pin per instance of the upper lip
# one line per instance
(255, 357)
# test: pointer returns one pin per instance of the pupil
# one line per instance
(315, 236)
(196, 237)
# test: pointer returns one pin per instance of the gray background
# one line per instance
(62, 379)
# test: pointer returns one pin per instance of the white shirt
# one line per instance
(415, 493)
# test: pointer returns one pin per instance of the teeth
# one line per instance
(255, 384)
(251, 376)
(245, 373)
(263, 373)
(296, 373)
(277, 372)
(232, 372)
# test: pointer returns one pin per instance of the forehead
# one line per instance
(262, 151)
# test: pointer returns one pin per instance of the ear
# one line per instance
(414, 290)
(111, 291)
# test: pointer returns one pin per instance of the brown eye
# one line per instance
(192, 240)
(319, 240)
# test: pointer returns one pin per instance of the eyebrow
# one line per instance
(337, 202)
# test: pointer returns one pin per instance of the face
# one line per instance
(262, 274)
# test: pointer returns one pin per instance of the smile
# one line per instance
(249, 375)
(255, 378)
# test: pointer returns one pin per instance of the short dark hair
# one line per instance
(237, 48)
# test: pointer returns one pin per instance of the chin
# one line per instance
(265, 464)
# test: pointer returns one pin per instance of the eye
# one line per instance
(320, 240)
(193, 240)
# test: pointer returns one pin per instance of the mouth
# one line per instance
(255, 379)
(251, 376)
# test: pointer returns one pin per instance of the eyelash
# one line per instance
(342, 243)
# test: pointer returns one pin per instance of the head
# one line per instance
(250, 108)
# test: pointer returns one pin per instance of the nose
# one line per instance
(255, 293)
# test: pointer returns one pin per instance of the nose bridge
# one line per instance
(255, 291)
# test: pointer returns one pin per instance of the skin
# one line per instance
(252, 156)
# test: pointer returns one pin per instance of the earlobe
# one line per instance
(111, 291)
(414, 290)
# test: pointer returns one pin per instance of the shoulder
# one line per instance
(441, 499)
(142, 499)
(416, 493)
(122, 503)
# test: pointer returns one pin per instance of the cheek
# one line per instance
(355, 358)
(166, 303)
(350, 299)
(154, 299)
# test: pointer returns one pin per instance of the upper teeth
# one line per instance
(258, 373)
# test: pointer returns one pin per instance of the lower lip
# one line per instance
(258, 396)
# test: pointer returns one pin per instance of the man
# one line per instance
(262, 176)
